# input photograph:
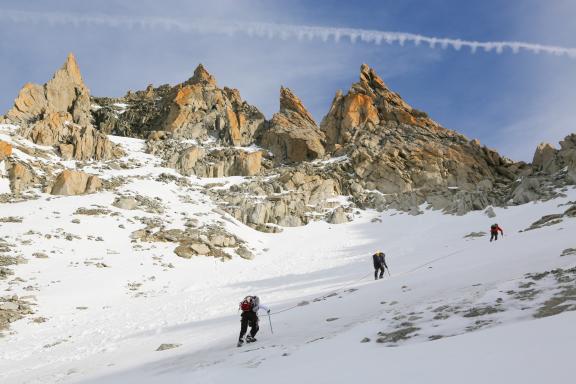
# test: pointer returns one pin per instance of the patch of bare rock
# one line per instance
(210, 241)
(13, 308)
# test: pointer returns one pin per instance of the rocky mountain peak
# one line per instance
(370, 80)
(397, 149)
(290, 102)
(202, 76)
(369, 103)
(65, 92)
(292, 134)
(70, 70)
(58, 114)
(194, 109)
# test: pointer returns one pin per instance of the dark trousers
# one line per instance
(248, 318)
(494, 236)
(376, 269)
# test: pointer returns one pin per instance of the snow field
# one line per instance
(105, 323)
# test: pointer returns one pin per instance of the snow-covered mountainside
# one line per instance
(132, 227)
(99, 296)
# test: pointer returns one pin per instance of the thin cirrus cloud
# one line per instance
(281, 31)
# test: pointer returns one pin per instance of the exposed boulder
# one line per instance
(21, 177)
(338, 216)
(248, 163)
(490, 212)
(70, 182)
(188, 159)
(528, 190)
(58, 114)
(292, 135)
(128, 203)
(245, 253)
(187, 251)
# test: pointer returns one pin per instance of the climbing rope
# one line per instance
(432, 261)
(340, 287)
(331, 291)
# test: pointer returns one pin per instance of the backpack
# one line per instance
(493, 227)
(249, 303)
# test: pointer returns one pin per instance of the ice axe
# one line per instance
(270, 321)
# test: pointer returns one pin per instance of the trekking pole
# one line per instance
(270, 321)
(388, 269)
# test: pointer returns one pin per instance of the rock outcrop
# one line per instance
(294, 197)
(218, 163)
(376, 151)
(206, 161)
(551, 169)
(58, 114)
(21, 177)
(292, 135)
(549, 160)
(70, 182)
(195, 109)
(397, 149)
(5, 150)
(545, 158)
(134, 115)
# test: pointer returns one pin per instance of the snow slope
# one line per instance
(465, 306)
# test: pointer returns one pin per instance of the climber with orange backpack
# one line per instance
(249, 317)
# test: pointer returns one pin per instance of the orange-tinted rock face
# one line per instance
(368, 103)
(395, 148)
(249, 164)
(5, 150)
(358, 110)
(198, 108)
(233, 126)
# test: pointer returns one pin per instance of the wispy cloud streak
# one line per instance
(280, 31)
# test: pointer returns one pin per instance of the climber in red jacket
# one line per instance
(494, 232)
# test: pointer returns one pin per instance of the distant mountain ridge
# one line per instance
(371, 146)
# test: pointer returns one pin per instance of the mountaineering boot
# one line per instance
(240, 342)
(250, 339)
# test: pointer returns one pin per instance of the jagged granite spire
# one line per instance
(292, 134)
(58, 113)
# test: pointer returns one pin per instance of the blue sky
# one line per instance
(511, 102)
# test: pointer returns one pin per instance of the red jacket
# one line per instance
(496, 229)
